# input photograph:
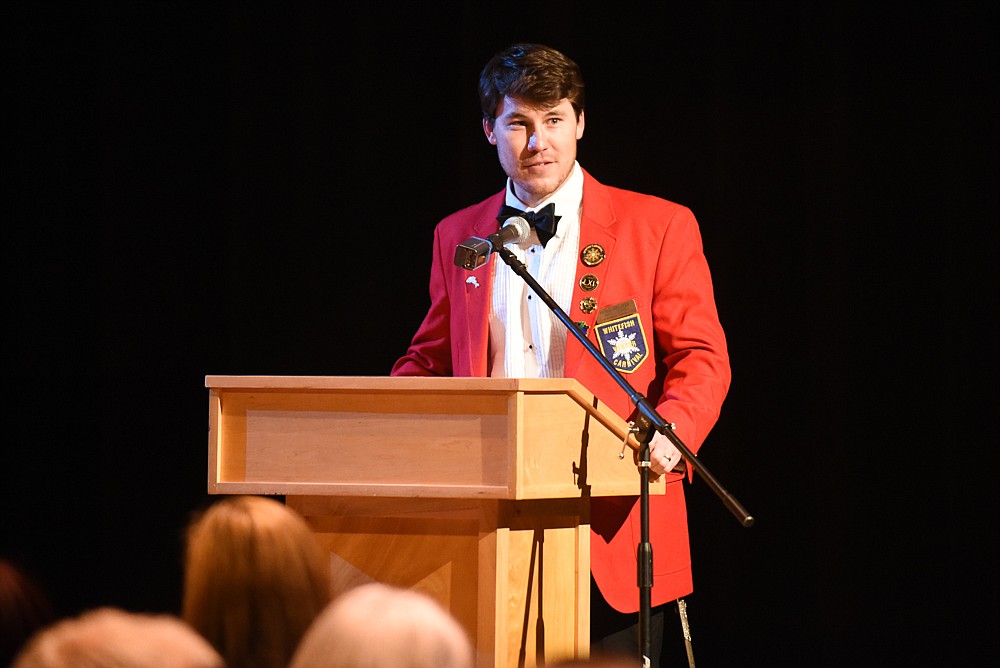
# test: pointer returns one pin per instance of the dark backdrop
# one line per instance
(199, 188)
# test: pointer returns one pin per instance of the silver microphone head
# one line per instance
(522, 227)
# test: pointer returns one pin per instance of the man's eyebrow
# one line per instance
(554, 111)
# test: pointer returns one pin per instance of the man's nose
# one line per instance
(538, 141)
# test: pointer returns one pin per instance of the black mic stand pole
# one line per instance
(648, 421)
(644, 553)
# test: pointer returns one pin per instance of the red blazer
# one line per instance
(653, 255)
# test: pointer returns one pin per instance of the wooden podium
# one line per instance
(472, 490)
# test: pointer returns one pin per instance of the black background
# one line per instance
(202, 188)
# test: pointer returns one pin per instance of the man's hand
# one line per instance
(663, 456)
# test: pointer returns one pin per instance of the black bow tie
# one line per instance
(544, 220)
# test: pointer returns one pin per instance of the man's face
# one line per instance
(536, 146)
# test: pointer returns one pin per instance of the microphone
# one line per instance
(515, 230)
(473, 253)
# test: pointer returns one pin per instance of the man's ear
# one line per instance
(488, 129)
(579, 126)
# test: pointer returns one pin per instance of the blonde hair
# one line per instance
(255, 579)
(112, 638)
(378, 626)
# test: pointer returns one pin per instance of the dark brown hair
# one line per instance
(533, 73)
(24, 609)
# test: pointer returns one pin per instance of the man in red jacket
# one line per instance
(630, 272)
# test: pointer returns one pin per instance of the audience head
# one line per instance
(255, 579)
(112, 638)
(24, 609)
(378, 626)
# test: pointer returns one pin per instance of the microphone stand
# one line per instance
(649, 420)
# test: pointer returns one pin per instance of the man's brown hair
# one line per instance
(533, 73)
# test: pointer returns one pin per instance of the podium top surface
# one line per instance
(436, 383)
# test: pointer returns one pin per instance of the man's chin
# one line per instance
(539, 189)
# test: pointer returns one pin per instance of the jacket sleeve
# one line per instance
(695, 358)
(430, 353)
